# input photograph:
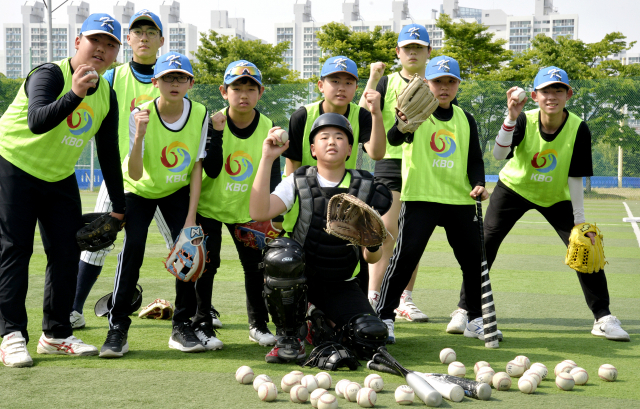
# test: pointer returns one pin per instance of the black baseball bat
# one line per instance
(488, 307)
(382, 368)
(380, 359)
(472, 389)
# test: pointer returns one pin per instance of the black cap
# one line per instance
(331, 119)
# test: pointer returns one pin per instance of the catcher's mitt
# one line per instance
(100, 231)
(417, 103)
(583, 256)
(186, 260)
(159, 309)
(256, 234)
(353, 220)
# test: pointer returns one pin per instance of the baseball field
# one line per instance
(539, 304)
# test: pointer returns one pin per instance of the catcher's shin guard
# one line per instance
(365, 333)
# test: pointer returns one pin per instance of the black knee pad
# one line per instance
(365, 334)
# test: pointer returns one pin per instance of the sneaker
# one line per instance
(184, 339)
(65, 346)
(13, 351)
(392, 338)
(287, 349)
(207, 335)
(407, 310)
(115, 345)
(261, 334)
(77, 320)
(215, 318)
(475, 329)
(458, 322)
(609, 328)
(374, 299)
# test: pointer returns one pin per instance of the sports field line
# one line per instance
(599, 224)
(634, 225)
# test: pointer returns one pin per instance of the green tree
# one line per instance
(8, 91)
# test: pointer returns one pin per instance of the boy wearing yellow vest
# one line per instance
(442, 174)
(550, 152)
(162, 169)
(225, 199)
(59, 108)
(413, 51)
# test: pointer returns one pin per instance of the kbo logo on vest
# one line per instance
(443, 143)
(239, 167)
(79, 122)
(544, 162)
(176, 162)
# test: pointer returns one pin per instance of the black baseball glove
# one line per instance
(100, 231)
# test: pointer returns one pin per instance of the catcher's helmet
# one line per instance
(331, 119)
(284, 258)
(331, 356)
(104, 304)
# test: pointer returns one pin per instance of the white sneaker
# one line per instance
(13, 351)
(261, 335)
(407, 310)
(374, 299)
(475, 329)
(609, 328)
(207, 335)
(215, 318)
(392, 337)
(458, 322)
(77, 320)
(65, 346)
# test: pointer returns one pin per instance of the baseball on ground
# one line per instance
(534, 375)
(268, 392)
(244, 375)
(608, 373)
(299, 394)
(324, 380)
(259, 380)
(527, 384)
(404, 395)
(563, 366)
(579, 375)
(309, 382)
(457, 369)
(520, 94)
(367, 397)
(340, 387)
(284, 136)
(480, 364)
(447, 356)
(515, 369)
(485, 375)
(524, 361)
(297, 374)
(315, 395)
(327, 401)
(502, 381)
(541, 369)
(374, 381)
(289, 381)
(351, 391)
(565, 381)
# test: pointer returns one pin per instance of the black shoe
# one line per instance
(184, 339)
(115, 345)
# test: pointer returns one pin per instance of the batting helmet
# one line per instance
(104, 304)
(331, 119)
(365, 333)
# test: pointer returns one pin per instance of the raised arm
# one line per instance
(263, 205)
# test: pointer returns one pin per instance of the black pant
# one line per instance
(253, 278)
(139, 214)
(507, 207)
(56, 206)
(416, 224)
(339, 300)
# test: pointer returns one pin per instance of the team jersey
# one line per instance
(395, 85)
(226, 198)
(539, 170)
(52, 156)
(169, 156)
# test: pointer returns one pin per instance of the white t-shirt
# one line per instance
(286, 190)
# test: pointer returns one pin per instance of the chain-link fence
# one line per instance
(609, 106)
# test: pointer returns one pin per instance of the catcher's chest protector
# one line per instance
(327, 256)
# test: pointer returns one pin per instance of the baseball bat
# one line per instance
(472, 389)
(423, 390)
(382, 368)
(448, 390)
(488, 307)
(380, 359)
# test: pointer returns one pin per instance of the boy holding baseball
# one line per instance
(549, 152)
(59, 108)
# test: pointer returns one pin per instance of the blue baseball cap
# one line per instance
(550, 75)
(145, 14)
(172, 62)
(442, 66)
(241, 69)
(101, 23)
(413, 34)
(339, 63)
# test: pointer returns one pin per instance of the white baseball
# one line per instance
(579, 375)
(309, 382)
(520, 94)
(315, 396)
(259, 380)
(268, 392)
(297, 374)
(608, 372)
(457, 369)
(289, 381)
(527, 384)
(502, 381)
(515, 369)
(374, 381)
(569, 361)
(447, 356)
(299, 394)
(480, 364)
(367, 397)
(533, 374)
(565, 381)
(91, 72)
(541, 369)
(485, 375)
(244, 375)
(327, 401)
(524, 361)
(404, 395)
(563, 367)
(284, 135)
(340, 387)
(324, 380)
(351, 391)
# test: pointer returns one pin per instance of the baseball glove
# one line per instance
(159, 309)
(256, 234)
(353, 220)
(417, 103)
(186, 260)
(583, 256)
(100, 231)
